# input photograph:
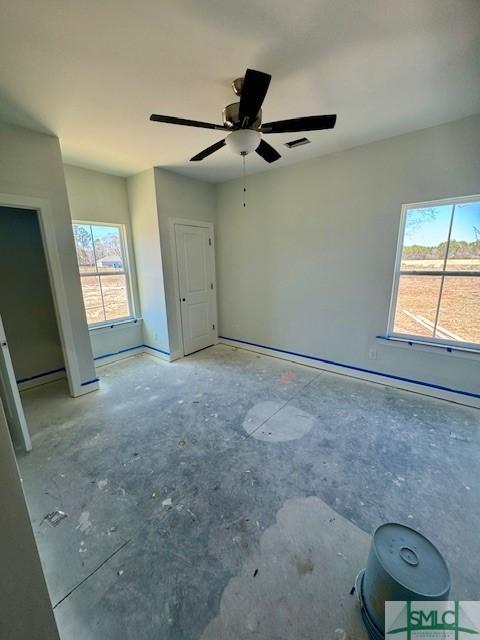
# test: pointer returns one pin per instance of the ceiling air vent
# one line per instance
(297, 143)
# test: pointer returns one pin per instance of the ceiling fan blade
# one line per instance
(208, 151)
(254, 90)
(188, 123)
(267, 152)
(307, 123)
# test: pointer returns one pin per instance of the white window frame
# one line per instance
(126, 272)
(444, 272)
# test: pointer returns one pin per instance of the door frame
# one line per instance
(12, 382)
(43, 210)
(173, 249)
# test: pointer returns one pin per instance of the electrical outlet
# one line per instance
(372, 354)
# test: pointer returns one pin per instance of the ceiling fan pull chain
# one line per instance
(244, 182)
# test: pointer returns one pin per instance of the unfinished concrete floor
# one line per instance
(231, 495)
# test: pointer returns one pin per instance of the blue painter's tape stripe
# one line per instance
(361, 369)
(41, 375)
(105, 355)
(84, 384)
(139, 346)
(165, 353)
(114, 353)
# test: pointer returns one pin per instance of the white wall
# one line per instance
(308, 265)
(25, 609)
(100, 197)
(31, 166)
(26, 303)
(186, 198)
(146, 242)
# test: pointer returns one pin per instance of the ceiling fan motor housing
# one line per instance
(231, 117)
(237, 86)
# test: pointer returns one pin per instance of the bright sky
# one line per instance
(100, 232)
(429, 227)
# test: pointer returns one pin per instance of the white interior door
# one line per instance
(10, 397)
(195, 262)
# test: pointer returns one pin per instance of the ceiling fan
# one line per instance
(244, 120)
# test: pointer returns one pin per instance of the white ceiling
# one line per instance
(92, 71)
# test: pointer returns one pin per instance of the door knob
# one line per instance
(183, 299)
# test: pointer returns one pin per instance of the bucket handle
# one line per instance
(409, 556)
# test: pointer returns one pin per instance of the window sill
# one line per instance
(121, 324)
(425, 345)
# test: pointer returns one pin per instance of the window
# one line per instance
(103, 272)
(436, 294)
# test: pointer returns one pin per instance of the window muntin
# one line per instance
(103, 272)
(436, 293)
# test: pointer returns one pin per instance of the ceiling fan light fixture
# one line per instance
(243, 141)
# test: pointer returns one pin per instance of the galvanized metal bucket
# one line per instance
(402, 565)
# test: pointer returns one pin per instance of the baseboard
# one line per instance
(157, 353)
(41, 378)
(108, 358)
(86, 387)
(416, 386)
(101, 360)
(132, 351)
(51, 376)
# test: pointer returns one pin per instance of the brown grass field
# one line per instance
(460, 305)
(114, 298)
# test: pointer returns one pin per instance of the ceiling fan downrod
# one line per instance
(244, 180)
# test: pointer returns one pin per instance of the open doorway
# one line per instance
(31, 347)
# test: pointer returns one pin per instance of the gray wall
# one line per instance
(189, 199)
(146, 241)
(25, 609)
(31, 166)
(99, 197)
(156, 197)
(308, 265)
(26, 303)
(96, 196)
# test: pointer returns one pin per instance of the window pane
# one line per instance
(459, 316)
(108, 248)
(425, 238)
(464, 249)
(84, 246)
(92, 297)
(417, 300)
(114, 289)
